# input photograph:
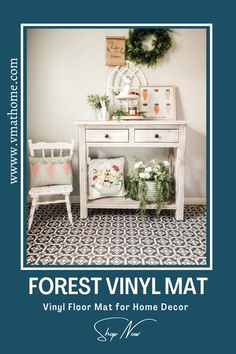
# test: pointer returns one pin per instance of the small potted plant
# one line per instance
(150, 183)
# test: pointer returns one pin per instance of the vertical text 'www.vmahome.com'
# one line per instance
(13, 119)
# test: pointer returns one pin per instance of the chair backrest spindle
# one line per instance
(42, 146)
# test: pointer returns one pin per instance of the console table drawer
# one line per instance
(156, 136)
(107, 135)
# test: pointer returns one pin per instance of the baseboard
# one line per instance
(195, 201)
(187, 201)
(74, 199)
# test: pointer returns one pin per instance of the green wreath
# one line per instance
(134, 45)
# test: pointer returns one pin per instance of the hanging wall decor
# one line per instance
(137, 52)
(115, 51)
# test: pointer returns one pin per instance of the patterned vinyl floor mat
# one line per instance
(116, 238)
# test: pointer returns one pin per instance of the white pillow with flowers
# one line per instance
(106, 178)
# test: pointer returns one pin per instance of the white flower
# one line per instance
(148, 169)
(144, 175)
(166, 163)
(138, 164)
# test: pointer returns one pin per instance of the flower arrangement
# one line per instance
(150, 183)
(94, 101)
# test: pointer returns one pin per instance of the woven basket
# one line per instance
(151, 190)
(150, 197)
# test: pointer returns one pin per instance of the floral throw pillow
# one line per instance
(106, 178)
(47, 171)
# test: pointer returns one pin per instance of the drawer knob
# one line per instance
(156, 136)
(106, 136)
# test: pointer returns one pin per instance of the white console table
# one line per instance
(148, 133)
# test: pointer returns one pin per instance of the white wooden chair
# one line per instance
(53, 149)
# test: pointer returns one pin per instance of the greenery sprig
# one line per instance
(94, 101)
(118, 113)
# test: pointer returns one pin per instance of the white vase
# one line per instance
(103, 114)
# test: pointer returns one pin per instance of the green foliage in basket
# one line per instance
(142, 194)
(94, 101)
(159, 174)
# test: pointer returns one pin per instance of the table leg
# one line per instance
(83, 172)
(172, 162)
(179, 174)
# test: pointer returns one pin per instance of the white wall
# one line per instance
(65, 65)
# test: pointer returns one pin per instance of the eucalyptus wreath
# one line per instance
(135, 52)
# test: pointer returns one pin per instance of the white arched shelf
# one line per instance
(115, 80)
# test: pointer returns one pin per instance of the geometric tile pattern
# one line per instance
(116, 237)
